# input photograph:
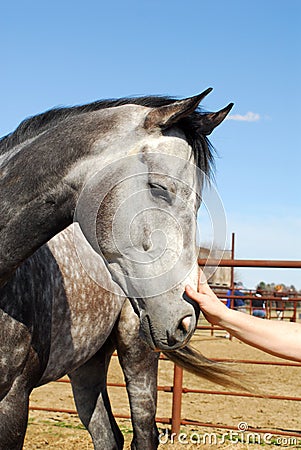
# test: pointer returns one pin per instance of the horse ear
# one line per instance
(165, 116)
(208, 121)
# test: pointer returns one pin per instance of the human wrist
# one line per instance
(226, 318)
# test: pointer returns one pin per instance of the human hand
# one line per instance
(212, 308)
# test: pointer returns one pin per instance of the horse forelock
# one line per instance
(33, 126)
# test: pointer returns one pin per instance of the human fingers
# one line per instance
(194, 295)
(203, 287)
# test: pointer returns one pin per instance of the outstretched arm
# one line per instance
(281, 339)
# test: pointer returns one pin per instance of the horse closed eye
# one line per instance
(160, 192)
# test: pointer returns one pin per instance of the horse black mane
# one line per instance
(30, 127)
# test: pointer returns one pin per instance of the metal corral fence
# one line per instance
(177, 390)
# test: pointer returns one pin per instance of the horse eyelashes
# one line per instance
(160, 192)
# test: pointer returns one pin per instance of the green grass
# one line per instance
(59, 424)
(62, 424)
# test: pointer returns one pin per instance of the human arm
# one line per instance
(281, 339)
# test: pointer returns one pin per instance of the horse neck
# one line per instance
(37, 201)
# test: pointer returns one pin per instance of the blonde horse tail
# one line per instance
(224, 374)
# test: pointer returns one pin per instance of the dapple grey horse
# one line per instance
(65, 323)
(86, 163)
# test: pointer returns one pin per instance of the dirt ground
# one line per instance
(58, 431)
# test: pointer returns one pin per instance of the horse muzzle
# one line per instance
(161, 337)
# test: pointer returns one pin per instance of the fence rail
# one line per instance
(259, 263)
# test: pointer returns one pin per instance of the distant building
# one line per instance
(220, 276)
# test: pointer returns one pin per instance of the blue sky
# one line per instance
(63, 53)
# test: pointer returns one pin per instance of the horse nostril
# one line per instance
(185, 324)
(181, 332)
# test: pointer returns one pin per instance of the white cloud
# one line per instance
(248, 117)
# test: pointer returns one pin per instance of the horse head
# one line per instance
(145, 201)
